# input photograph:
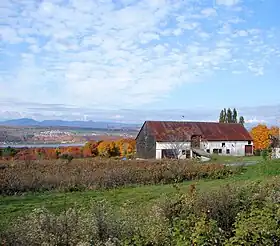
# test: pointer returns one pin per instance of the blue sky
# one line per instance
(131, 60)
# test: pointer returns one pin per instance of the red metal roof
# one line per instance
(165, 131)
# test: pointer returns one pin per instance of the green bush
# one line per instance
(265, 154)
(66, 156)
(258, 226)
(9, 152)
(206, 232)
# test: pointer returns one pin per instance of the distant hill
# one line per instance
(24, 122)
(20, 122)
(76, 124)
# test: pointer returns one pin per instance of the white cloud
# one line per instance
(255, 121)
(115, 54)
(209, 12)
(227, 2)
(242, 33)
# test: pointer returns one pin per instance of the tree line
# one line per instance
(118, 148)
(230, 116)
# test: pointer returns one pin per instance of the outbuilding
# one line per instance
(183, 139)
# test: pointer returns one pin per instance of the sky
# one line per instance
(129, 61)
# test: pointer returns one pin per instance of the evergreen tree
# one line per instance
(222, 117)
(241, 120)
(225, 115)
(229, 116)
(234, 116)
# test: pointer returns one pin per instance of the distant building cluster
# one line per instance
(53, 133)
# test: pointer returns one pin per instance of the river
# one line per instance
(42, 145)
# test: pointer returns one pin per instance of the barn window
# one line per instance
(228, 151)
(223, 144)
(215, 151)
(220, 151)
(188, 154)
(168, 153)
(249, 142)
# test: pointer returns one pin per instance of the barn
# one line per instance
(183, 139)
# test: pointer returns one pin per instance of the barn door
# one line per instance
(248, 149)
(195, 141)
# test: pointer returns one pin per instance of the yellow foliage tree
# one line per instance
(108, 149)
(260, 135)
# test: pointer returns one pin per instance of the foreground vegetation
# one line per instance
(241, 209)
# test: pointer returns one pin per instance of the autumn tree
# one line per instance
(260, 135)
(40, 153)
(108, 149)
(90, 149)
(74, 151)
(127, 147)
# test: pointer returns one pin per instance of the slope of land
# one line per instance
(218, 205)
(139, 196)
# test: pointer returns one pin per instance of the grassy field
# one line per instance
(136, 197)
(229, 159)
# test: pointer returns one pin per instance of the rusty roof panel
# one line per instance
(165, 131)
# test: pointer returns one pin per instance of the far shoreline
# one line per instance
(42, 145)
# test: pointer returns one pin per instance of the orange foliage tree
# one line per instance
(260, 135)
(74, 151)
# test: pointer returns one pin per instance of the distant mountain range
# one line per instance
(25, 122)
(77, 124)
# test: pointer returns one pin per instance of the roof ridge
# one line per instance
(179, 121)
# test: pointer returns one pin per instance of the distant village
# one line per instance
(12, 136)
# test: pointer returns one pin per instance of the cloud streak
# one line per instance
(267, 114)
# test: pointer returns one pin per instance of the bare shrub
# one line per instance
(101, 174)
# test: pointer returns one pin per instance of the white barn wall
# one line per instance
(170, 145)
(237, 148)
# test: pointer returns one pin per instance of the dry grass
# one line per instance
(80, 174)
